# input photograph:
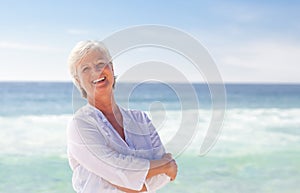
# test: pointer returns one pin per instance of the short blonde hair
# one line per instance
(80, 50)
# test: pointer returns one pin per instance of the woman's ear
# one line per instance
(77, 80)
(111, 66)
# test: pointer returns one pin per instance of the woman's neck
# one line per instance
(112, 113)
(106, 104)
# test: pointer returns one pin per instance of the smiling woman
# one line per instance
(111, 149)
(87, 61)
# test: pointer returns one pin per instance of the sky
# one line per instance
(250, 41)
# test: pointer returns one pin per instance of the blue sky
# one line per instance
(250, 41)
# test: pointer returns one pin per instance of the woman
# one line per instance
(111, 149)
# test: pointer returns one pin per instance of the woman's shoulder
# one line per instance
(137, 115)
(87, 112)
(83, 118)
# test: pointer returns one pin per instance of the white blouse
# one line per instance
(99, 157)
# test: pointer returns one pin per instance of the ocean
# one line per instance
(257, 150)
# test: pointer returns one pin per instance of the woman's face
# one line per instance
(95, 74)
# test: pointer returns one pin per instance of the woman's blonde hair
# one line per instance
(80, 50)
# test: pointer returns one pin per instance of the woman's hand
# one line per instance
(166, 165)
(167, 156)
(171, 166)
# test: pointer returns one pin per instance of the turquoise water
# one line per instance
(258, 149)
(34, 174)
(268, 172)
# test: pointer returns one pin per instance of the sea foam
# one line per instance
(243, 131)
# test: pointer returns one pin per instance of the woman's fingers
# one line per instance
(172, 169)
(168, 156)
(171, 165)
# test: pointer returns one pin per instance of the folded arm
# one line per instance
(166, 165)
(88, 146)
(163, 168)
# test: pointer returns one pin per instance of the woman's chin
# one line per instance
(101, 85)
(103, 88)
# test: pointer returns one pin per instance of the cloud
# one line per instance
(260, 61)
(240, 11)
(25, 46)
(77, 32)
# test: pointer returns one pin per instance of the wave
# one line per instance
(244, 131)
(32, 134)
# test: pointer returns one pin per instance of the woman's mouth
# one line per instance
(99, 80)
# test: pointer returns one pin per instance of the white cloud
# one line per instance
(77, 32)
(261, 61)
(240, 12)
(24, 46)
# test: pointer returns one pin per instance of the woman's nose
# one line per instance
(99, 67)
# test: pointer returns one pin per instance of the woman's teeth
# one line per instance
(98, 80)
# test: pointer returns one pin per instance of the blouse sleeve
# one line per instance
(158, 181)
(87, 145)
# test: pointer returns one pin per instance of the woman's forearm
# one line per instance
(144, 189)
(167, 165)
(157, 167)
(162, 166)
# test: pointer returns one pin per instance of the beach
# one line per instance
(257, 150)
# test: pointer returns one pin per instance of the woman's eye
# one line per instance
(85, 69)
(100, 66)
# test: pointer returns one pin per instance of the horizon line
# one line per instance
(151, 82)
